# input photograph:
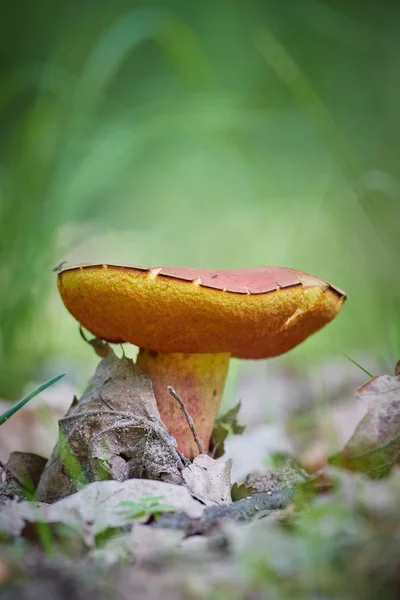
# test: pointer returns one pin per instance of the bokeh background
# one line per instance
(210, 134)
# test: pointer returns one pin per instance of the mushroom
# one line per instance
(188, 322)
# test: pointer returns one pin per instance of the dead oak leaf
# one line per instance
(241, 491)
(113, 432)
(209, 480)
(375, 444)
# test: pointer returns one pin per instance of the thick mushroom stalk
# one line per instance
(199, 379)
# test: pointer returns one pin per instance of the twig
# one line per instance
(255, 506)
(188, 418)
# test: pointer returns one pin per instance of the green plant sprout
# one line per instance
(149, 506)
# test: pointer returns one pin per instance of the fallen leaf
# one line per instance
(374, 446)
(113, 432)
(209, 480)
(99, 502)
(97, 507)
(238, 492)
(225, 425)
(27, 468)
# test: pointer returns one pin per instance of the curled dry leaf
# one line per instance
(209, 480)
(375, 445)
(113, 432)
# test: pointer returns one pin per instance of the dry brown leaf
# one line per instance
(113, 432)
(375, 445)
(97, 507)
(26, 467)
(209, 480)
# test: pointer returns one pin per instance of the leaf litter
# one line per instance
(277, 545)
(209, 480)
(114, 432)
(374, 446)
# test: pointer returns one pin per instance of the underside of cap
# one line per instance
(250, 313)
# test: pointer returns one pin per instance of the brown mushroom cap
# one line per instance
(250, 313)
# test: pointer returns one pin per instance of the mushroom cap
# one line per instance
(250, 313)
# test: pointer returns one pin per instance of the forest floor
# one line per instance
(302, 502)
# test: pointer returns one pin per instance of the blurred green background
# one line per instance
(212, 134)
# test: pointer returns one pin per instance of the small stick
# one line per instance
(189, 419)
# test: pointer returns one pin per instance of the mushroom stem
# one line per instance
(199, 379)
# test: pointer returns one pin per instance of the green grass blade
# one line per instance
(11, 411)
(358, 365)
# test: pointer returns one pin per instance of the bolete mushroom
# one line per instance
(189, 322)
